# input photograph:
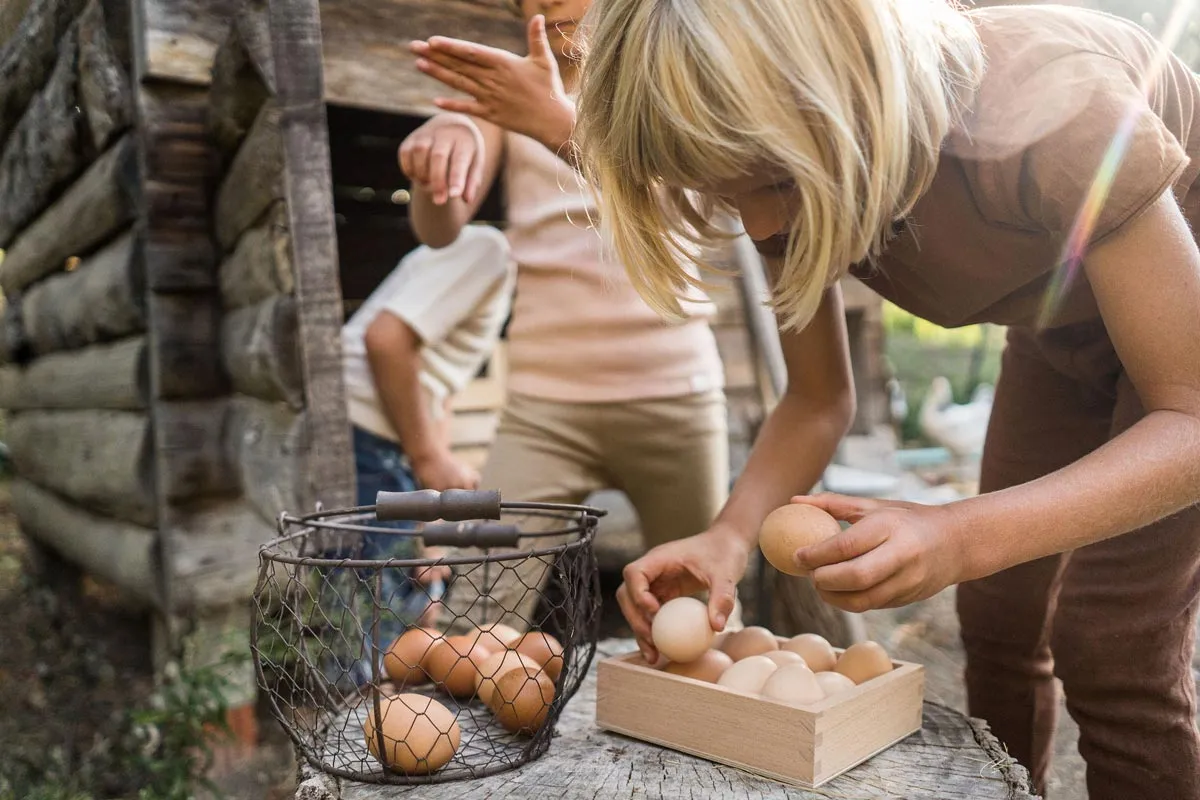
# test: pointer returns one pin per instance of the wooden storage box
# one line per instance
(800, 745)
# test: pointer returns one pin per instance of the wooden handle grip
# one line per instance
(428, 505)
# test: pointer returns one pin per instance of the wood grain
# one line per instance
(108, 376)
(29, 55)
(264, 446)
(261, 264)
(184, 354)
(215, 560)
(102, 299)
(328, 474)
(260, 351)
(952, 757)
(242, 79)
(254, 181)
(189, 449)
(100, 460)
(104, 90)
(120, 552)
(99, 204)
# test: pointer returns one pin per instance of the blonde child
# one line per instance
(1030, 166)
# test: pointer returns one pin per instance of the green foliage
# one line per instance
(160, 751)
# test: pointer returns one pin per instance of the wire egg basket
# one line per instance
(385, 664)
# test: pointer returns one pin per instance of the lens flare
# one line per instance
(1075, 247)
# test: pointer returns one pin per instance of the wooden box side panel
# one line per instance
(885, 711)
(706, 720)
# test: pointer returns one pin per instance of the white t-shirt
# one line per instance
(455, 298)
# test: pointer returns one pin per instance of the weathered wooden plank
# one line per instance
(110, 376)
(174, 129)
(254, 181)
(11, 14)
(100, 203)
(259, 349)
(215, 560)
(97, 459)
(191, 457)
(184, 346)
(45, 149)
(952, 757)
(120, 552)
(265, 444)
(104, 90)
(363, 64)
(180, 261)
(28, 56)
(102, 299)
(328, 473)
(242, 79)
(261, 265)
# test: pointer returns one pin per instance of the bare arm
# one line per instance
(394, 355)
(452, 161)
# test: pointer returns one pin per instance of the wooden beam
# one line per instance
(265, 445)
(109, 376)
(328, 474)
(117, 551)
(98, 205)
(28, 56)
(216, 553)
(107, 102)
(260, 353)
(102, 299)
(243, 77)
(364, 64)
(192, 460)
(261, 265)
(45, 149)
(11, 14)
(97, 459)
(184, 350)
(254, 181)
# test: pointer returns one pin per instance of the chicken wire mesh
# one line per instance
(426, 669)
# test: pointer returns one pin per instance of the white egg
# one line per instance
(834, 683)
(795, 684)
(681, 630)
(748, 675)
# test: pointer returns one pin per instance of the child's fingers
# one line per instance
(849, 544)
(450, 77)
(460, 169)
(468, 105)
(439, 168)
(539, 44)
(470, 53)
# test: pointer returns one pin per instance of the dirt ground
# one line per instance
(70, 667)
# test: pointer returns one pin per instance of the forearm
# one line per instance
(556, 129)
(437, 225)
(1149, 472)
(404, 403)
(793, 448)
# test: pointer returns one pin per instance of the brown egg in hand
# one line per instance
(708, 667)
(454, 664)
(751, 641)
(791, 527)
(522, 699)
(420, 735)
(863, 661)
(405, 658)
(544, 649)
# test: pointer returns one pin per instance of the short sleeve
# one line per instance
(442, 288)
(1108, 157)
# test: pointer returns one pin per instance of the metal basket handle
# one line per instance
(428, 505)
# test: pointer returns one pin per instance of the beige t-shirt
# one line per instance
(455, 298)
(1059, 107)
(579, 330)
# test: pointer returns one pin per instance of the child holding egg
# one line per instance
(1029, 166)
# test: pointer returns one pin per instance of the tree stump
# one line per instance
(951, 757)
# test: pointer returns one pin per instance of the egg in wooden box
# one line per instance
(799, 743)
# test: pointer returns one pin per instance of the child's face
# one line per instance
(562, 16)
(765, 199)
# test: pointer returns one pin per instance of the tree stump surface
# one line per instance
(952, 757)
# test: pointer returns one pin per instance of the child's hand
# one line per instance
(444, 157)
(712, 560)
(523, 94)
(894, 553)
(441, 471)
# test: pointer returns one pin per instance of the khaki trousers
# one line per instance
(670, 456)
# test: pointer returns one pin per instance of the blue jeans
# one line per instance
(380, 465)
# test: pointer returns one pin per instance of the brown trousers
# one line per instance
(1114, 621)
(670, 456)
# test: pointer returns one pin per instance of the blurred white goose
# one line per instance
(959, 427)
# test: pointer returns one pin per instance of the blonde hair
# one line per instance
(851, 98)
